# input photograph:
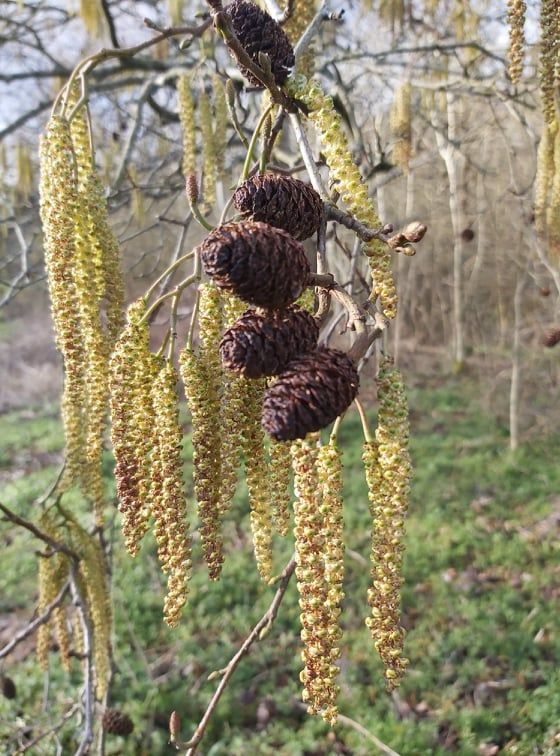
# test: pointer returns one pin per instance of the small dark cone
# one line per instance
(8, 687)
(551, 337)
(117, 722)
(260, 344)
(260, 264)
(312, 392)
(260, 33)
(283, 202)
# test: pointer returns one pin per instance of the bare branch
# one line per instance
(38, 533)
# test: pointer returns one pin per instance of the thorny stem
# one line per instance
(254, 636)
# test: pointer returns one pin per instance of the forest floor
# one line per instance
(481, 597)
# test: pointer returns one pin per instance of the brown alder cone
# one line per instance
(260, 33)
(551, 337)
(281, 201)
(312, 392)
(261, 344)
(117, 722)
(8, 687)
(262, 265)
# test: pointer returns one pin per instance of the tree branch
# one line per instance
(256, 634)
(38, 533)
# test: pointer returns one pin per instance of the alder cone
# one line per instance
(260, 264)
(551, 337)
(260, 33)
(312, 392)
(117, 722)
(8, 687)
(260, 344)
(283, 202)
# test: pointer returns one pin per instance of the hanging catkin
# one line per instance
(545, 175)
(553, 216)
(280, 475)
(548, 62)
(320, 649)
(220, 125)
(256, 474)
(303, 12)
(132, 425)
(209, 156)
(202, 378)
(59, 203)
(88, 296)
(349, 183)
(388, 471)
(94, 589)
(172, 506)
(516, 50)
(53, 571)
(188, 124)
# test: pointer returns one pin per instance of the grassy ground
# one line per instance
(480, 605)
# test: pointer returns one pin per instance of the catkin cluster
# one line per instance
(547, 188)
(147, 440)
(388, 472)
(302, 15)
(85, 284)
(213, 120)
(346, 175)
(320, 632)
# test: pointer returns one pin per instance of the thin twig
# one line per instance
(41, 535)
(255, 635)
(30, 628)
(51, 731)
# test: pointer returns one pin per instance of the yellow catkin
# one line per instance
(53, 573)
(280, 476)
(257, 475)
(91, 14)
(545, 175)
(86, 278)
(516, 51)
(388, 472)
(209, 156)
(349, 183)
(329, 468)
(231, 409)
(319, 653)
(303, 12)
(553, 215)
(173, 502)
(188, 124)
(220, 125)
(58, 189)
(401, 126)
(94, 589)
(202, 378)
(549, 55)
(132, 425)
(392, 13)
(24, 172)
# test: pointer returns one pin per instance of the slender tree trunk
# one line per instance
(455, 163)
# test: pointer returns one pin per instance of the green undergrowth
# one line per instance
(482, 584)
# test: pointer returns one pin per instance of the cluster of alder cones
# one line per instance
(260, 260)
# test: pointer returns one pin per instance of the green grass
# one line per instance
(480, 604)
